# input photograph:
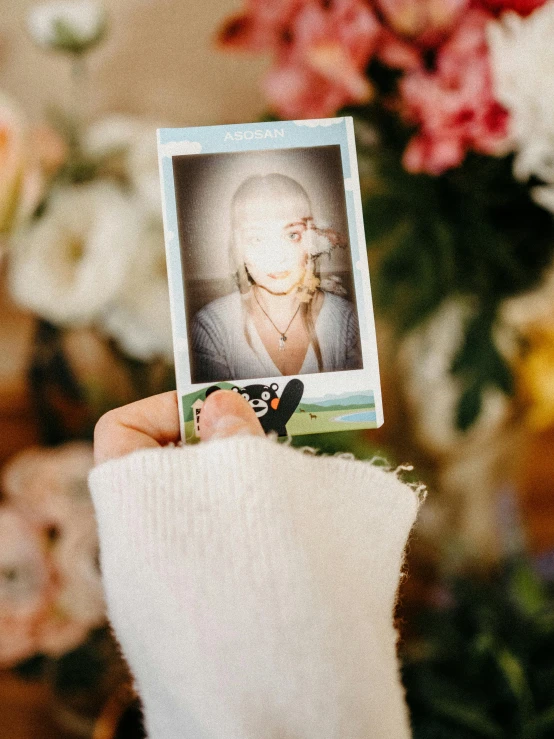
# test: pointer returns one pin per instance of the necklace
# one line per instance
(282, 334)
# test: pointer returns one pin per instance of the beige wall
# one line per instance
(159, 60)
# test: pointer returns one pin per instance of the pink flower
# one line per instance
(49, 549)
(59, 633)
(50, 485)
(23, 567)
(398, 53)
(24, 585)
(20, 175)
(522, 7)
(322, 48)
(453, 105)
(323, 67)
(426, 21)
(298, 92)
(264, 25)
(321, 52)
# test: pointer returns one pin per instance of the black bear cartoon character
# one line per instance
(273, 412)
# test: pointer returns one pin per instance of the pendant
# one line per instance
(282, 343)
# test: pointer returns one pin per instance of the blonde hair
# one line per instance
(272, 190)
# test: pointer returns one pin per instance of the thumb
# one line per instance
(226, 413)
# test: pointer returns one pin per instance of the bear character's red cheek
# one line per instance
(274, 403)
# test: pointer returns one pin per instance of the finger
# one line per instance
(148, 423)
(226, 413)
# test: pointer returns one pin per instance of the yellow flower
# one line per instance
(309, 285)
(536, 374)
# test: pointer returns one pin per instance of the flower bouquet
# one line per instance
(80, 214)
(452, 101)
(82, 251)
(453, 105)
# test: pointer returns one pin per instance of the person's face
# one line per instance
(274, 249)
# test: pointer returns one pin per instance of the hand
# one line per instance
(154, 422)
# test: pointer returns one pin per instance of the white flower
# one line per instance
(49, 485)
(67, 25)
(134, 141)
(544, 196)
(140, 319)
(532, 308)
(522, 59)
(144, 171)
(111, 135)
(432, 391)
(72, 262)
(333, 284)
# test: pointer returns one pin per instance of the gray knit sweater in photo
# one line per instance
(222, 352)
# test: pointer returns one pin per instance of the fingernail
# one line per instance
(224, 426)
(225, 413)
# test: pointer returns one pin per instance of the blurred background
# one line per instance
(453, 102)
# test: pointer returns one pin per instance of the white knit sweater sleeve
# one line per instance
(252, 589)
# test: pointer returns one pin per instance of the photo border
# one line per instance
(323, 387)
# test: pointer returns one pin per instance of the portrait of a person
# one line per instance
(280, 321)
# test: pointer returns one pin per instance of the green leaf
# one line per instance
(469, 716)
(469, 407)
(382, 214)
(487, 666)
(67, 40)
(527, 590)
(541, 727)
(479, 365)
(500, 373)
(514, 674)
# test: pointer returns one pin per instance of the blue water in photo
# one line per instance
(359, 417)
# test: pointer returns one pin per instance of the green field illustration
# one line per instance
(342, 412)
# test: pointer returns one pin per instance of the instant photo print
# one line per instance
(268, 274)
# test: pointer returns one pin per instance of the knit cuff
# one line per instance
(248, 581)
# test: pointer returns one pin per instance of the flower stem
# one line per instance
(78, 97)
